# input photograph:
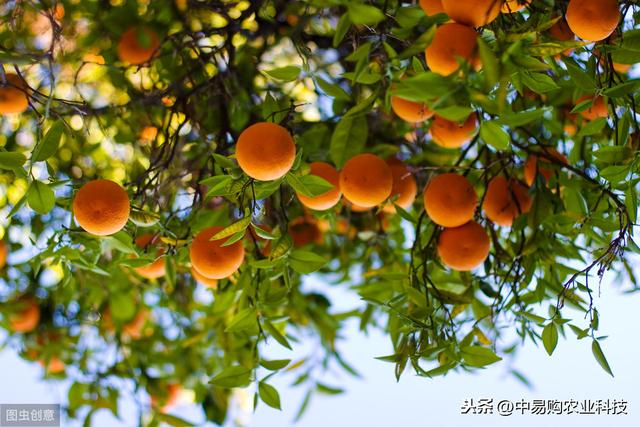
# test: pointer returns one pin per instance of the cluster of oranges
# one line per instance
(266, 151)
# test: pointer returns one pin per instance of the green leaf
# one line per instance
(286, 74)
(309, 185)
(478, 356)
(580, 77)
(122, 306)
(275, 333)
(520, 118)
(493, 134)
(244, 319)
(232, 377)
(305, 262)
(332, 89)
(341, 30)
(364, 14)
(50, 143)
(599, 355)
(234, 228)
(490, 64)
(269, 395)
(274, 365)
(538, 82)
(550, 337)
(11, 160)
(348, 139)
(172, 420)
(41, 197)
(454, 113)
(622, 89)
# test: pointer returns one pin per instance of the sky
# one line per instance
(377, 399)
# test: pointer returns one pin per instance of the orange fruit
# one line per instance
(593, 20)
(451, 43)
(474, 13)
(404, 188)
(134, 328)
(561, 31)
(157, 268)
(210, 283)
(431, 7)
(358, 208)
(532, 166)
(213, 260)
(4, 251)
(101, 207)
(450, 200)
(168, 400)
(328, 199)
(265, 151)
(305, 231)
(506, 200)
(366, 180)
(137, 45)
(511, 6)
(27, 316)
(448, 134)
(597, 109)
(409, 111)
(13, 99)
(52, 366)
(148, 134)
(464, 248)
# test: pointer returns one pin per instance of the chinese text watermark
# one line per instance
(508, 407)
(29, 415)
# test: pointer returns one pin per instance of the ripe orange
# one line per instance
(135, 327)
(101, 207)
(561, 31)
(366, 180)
(213, 260)
(265, 151)
(305, 231)
(169, 399)
(464, 248)
(450, 134)
(597, 109)
(52, 366)
(404, 186)
(210, 283)
(533, 166)
(431, 7)
(593, 20)
(358, 208)
(506, 200)
(474, 13)
(328, 199)
(13, 99)
(148, 134)
(511, 6)
(409, 111)
(138, 45)
(27, 316)
(156, 268)
(4, 251)
(451, 43)
(450, 200)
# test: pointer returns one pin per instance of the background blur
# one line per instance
(377, 400)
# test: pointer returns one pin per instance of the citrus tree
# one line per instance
(170, 171)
